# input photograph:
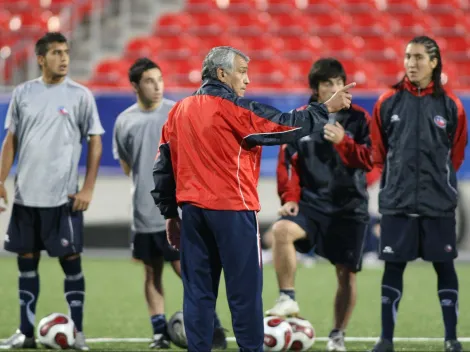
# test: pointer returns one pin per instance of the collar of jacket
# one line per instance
(214, 84)
(410, 87)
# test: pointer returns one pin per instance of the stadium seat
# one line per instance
(318, 7)
(263, 47)
(238, 6)
(208, 42)
(411, 24)
(291, 23)
(171, 24)
(340, 47)
(398, 6)
(372, 47)
(451, 24)
(180, 47)
(388, 72)
(184, 74)
(334, 23)
(279, 6)
(250, 23)
(269, 73)
(456, 49)
(358, 6)
(372, 22)
(441, 6)
(111, 73)
(143, 47)
(198, 6)
(211, 22)
(301, 48)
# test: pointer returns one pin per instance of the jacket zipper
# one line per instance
(418, 161)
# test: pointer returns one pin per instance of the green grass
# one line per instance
(115, 305)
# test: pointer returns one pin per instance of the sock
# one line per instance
(392, 289)
(289, 292)
(448, 292)
(28, 285)
(74, 289)
(217, 323)
(158, 323)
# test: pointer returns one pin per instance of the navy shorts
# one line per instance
(340, 240)
(150, 246)
(58, 230)
(404, 238)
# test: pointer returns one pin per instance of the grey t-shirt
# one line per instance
(136, 139)
(50, 123)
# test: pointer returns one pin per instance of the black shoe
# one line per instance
(453, 346)
(160, 342)
(219, 340)
(383, 345)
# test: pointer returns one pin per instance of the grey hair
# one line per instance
(220, 57)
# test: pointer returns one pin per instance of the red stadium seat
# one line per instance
(196, 6)
(209, 42)
(238, 6)
(370, 23)
(181, 47)
(378, 47)
(251, 23)
(172, 24)
(335, 23)
(338, 47)
(441, 6)
(184, 74)
(263, 47)
(143, 47)
(358, 6)
(211, 22)
(301, 48)
(399, 6)
(111, 73)
(388, 72)
(278, 6)
(411, 24)
(451, 24)
(456, 49)
(288, 24)
(318, 7)
(269, 73)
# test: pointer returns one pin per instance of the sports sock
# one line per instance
(392, 290)
(448, 292)
(217, 323)
(74, 289)
(28, 285)
(158, 323)
(289, 292)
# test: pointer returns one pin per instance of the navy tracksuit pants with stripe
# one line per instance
(212, 240)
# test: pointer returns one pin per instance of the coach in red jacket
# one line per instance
(208, 164)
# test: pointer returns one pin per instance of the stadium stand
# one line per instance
(369, 35)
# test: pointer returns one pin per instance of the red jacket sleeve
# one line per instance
(288, 181)
(357, 153)
(461, 134)
(164, 193)
(373, 176)
(379, 150)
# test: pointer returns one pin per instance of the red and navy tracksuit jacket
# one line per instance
(419, 139)
(329, 178)
(209, 155)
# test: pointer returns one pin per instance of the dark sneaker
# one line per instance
(453, 346)
(219, 340)
(383, 345)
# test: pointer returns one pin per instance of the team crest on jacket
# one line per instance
(440, 121)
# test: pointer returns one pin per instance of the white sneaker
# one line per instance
(80, 343)
(18, 340)
(285, 306)
(336, 342)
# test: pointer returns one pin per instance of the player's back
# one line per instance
(49, 122)
(223, 162)
(137, 135)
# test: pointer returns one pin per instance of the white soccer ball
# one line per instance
(57, 331)
(277, 334)
(176, 330)
(303, 334)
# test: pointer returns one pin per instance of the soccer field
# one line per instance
(115, 306)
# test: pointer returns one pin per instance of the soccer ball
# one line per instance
(277, 334)
(303, 334)
(57, 331)
(176, 330)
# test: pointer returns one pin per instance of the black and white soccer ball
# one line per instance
(57, 331)
(176, 330)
